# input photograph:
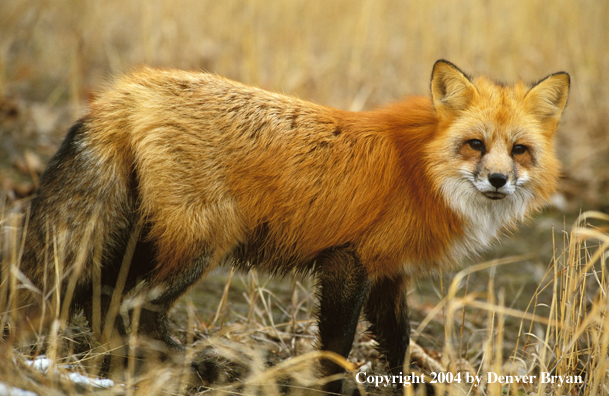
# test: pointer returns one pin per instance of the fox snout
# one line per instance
(496, 189)
(494, 184)
(497, 180)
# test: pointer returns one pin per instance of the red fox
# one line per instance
(200, 171)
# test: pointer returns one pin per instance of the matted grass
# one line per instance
(265, 344)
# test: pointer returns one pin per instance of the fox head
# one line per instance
(495, 147)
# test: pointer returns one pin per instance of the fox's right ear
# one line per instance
(548, 97)
(451, 90)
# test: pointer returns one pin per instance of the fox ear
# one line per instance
(451, 89)
(547, 99)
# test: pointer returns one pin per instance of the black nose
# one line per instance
(497, 180)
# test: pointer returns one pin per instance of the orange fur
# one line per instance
(216, 159)
(220, 172)
(315, 176)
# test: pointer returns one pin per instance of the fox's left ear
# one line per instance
(451, 90)
(547, 99)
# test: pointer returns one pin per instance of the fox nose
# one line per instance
(497, 180)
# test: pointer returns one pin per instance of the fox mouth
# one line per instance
(494, 195)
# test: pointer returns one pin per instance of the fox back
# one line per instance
(197, 170)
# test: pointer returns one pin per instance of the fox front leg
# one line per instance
(343, 288)
(387, 311)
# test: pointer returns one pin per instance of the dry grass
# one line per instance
(352, 55)
(566, 338)
(269, 348)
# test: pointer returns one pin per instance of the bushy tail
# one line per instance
(78, 224)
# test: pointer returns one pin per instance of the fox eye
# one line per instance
(519, 149)
(476, 144)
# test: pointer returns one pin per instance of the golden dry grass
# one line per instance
(256, 353)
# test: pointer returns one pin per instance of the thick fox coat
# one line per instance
(198, 170)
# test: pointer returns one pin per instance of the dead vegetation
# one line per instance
(266, 343)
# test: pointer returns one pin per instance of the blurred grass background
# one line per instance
(351, 54)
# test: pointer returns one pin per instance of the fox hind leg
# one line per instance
(153, 320)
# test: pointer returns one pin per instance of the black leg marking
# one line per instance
(153, 321)
(155, 324)
(387, 311)
(343, 288)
